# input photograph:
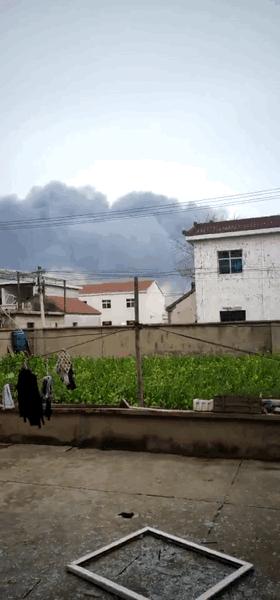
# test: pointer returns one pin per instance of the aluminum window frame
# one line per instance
(75, 567)
(233, 255)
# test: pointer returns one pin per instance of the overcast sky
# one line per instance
(177, 97)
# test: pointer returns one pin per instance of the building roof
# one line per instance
(170, 307)
(108, 287)
(250, 224)
(73, 306)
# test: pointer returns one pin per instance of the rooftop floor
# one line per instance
(58, 503)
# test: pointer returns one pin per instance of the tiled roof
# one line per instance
(73, 306)
(115, 286)
(250, 224)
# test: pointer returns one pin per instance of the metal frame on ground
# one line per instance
(75, 567)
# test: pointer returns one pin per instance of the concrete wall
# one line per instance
(186, 433)
(52, 320)
(99, 342)
(82, 320)
(184, 311)
(256, 290)
(58, 290)
(151, 306)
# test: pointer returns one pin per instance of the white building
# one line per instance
(183, 310)
(20, 295)
(237, 269)
(115, 300)
(19, 304)
(76, 313)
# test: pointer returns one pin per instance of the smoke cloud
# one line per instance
(155, 243)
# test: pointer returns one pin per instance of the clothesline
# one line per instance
(95, 339)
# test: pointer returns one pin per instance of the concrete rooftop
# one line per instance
(58, 503)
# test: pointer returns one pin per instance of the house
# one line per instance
(183, 310)
(30, 319)
(19, 295)
(20, 304)
(76, 313)
(115, 300)
(237, 269)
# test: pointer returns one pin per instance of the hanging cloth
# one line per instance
(29, 398)
(47, 396)
(65, 370)
(7, 400)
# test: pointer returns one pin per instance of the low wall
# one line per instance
(213, 338)
(180, 432)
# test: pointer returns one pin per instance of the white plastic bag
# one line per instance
(7, 400)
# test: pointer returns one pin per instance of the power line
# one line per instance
(80, 279)
(140, 212)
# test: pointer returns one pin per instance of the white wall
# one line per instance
(184, 311)
(22, 319)
(56, 321)
(151, 306)
(54, 290)
(82, 320)
(256, 289)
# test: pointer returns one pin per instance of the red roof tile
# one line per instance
(234, 225)
(115, 286)
(73, 305)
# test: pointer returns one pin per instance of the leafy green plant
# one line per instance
(169, 381)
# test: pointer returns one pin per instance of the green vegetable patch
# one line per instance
(169, 381)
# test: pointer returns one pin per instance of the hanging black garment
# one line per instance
(71, 385)
(29, 399)
(47, 396)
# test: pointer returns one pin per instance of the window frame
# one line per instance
(130, 302)
(230, 257)
(106, 301)
(231, 312)
(106, 324)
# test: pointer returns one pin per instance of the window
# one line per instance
(106, 323)
(130, 322)
(75, 324)
(30, 325)
(55, 325)
(106, 303)
(130, 303)
(85, 301)
(230, 261)
(227, 316)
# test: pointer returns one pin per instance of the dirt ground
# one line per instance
(58, 503)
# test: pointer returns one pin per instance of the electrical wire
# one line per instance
(137, 212)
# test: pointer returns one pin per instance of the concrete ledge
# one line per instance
(179, 432)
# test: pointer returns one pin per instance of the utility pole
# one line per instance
(137, 328)
(18, 290)
(64, 295)
(40, 282)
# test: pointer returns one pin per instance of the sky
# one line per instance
(177, 97)
(109, 104)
